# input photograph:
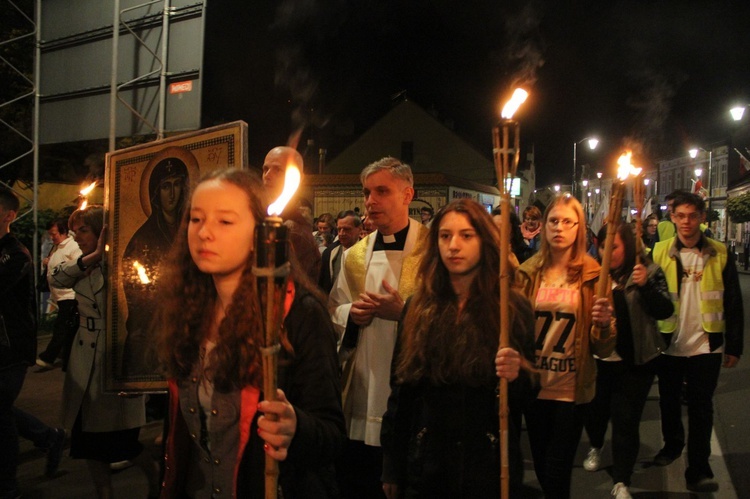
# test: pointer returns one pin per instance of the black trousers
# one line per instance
(701, 374)
(621, 392)
(358, 471)
(554, 432)
(11, 381)
(63, 331)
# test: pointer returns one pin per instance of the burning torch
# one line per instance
(84, 195)
(272, 272)
(639, 196)
(613, 218)
(506, 163)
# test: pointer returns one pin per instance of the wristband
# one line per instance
(80, 264)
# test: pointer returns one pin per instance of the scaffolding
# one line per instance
(27, 29)
(132, 21)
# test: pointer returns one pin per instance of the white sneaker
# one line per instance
(620, 491)
(44, 364)
(120, 465)
(593, 460)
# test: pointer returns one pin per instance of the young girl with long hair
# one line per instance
(211, 347)
(440, 432)
(571, 326)
(624, 378)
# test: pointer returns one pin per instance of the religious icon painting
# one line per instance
(148, 187)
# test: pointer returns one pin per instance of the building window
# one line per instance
(715, 176)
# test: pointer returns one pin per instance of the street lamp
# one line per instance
(592, 142)
(737, 112)
(694, 154)
(698, 172)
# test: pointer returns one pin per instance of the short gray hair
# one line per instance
(399, 170)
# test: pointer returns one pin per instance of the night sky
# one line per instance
(658, 76)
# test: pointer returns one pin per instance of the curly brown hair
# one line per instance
(440, 344)
(190, 299)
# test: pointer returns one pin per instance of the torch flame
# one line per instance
(85, 191)
(626, 167)
(141, 272)
(291, 182)
(518, 98)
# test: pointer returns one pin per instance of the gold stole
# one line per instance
(356, 265)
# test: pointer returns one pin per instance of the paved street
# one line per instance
(730, 447)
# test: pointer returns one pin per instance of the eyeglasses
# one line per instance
(565, 223)
(692, 216)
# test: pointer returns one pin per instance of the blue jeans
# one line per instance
(11, 381)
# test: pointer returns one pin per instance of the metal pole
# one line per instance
(710, 164)
(573, 187)
(163, 76)
(35, 136)
(113, 77)
(321, 159)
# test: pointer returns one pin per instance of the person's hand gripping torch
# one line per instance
(272, 272)
(506, 163)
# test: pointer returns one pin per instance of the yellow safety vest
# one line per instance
(665, 229)
(711, 285)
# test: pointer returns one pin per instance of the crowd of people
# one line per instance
(389, 359)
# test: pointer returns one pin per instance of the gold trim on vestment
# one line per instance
(356, 265)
